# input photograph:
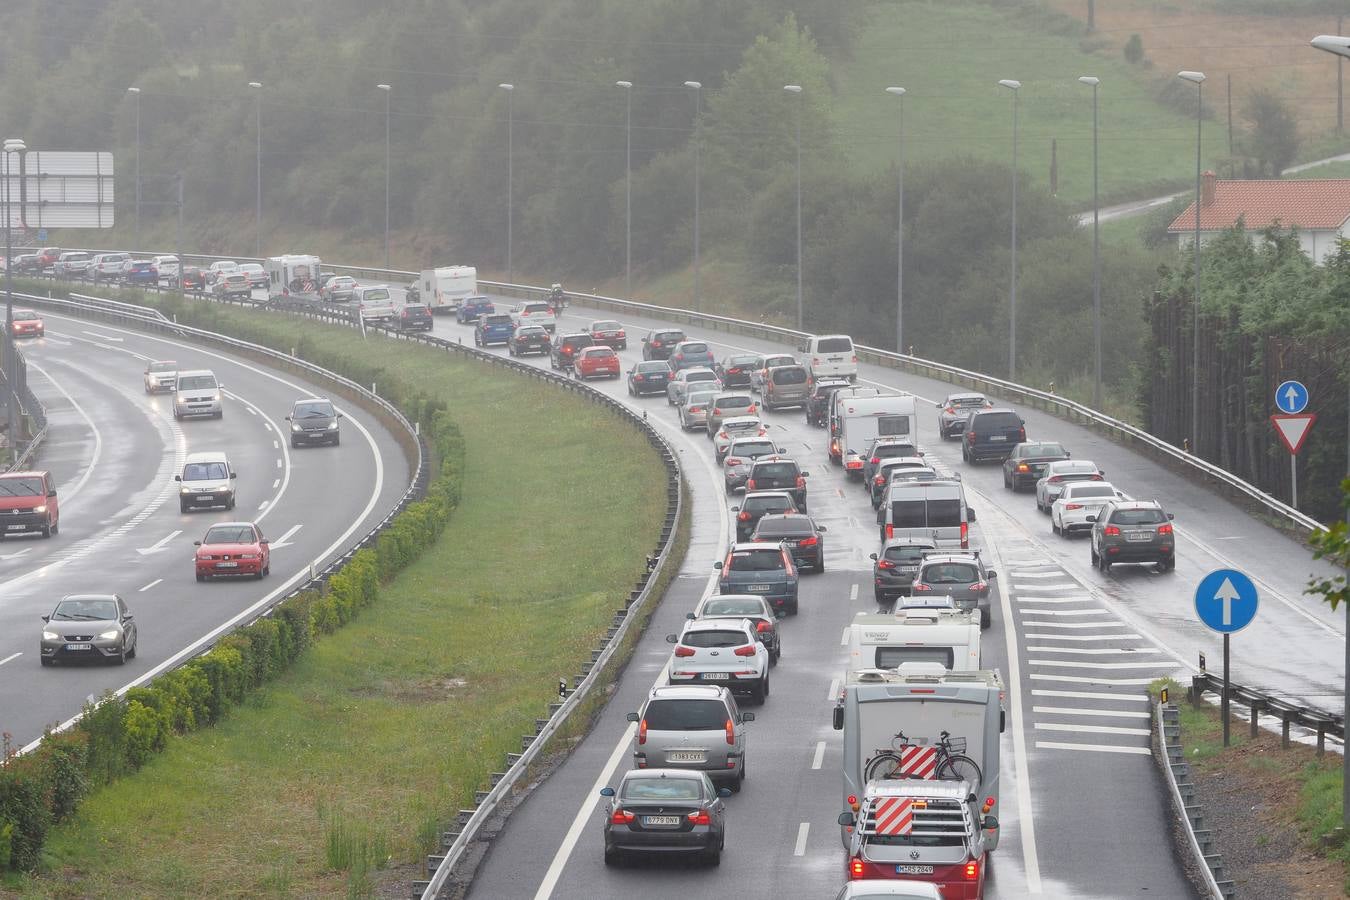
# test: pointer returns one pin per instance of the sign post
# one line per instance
(1291, 397)
(1226, 601)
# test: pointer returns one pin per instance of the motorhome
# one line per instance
(294, 276)
(443, 289)
(834, 414)
(926, 631)
(863, 419)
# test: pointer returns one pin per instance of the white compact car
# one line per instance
(721, 651)
(1075, 506)
(1061, 472)
(733, 429)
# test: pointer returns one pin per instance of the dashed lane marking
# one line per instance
(1039, 624)
(820, 755)
(1053, 600)
(1093, 748)
(843, 638)
(1093, 651)
(1071, 664)
(1079, 679)
(11, 656)
(802, 830)
(1072, 711)
(1091, 695)
(1080, 728)
(150, 585)
(1083, 637)
(853, 592)
(833, 694)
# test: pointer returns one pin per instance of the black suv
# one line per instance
(414, 317)
(774, 473)
(818, 403)
(660, 344)
(564, 351)
(991, 434)
(314, 421)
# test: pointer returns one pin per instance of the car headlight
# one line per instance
(215, 398)
(296, 427)
(332, 426)
(50, 636)
(110, 635)
(40, 509)
(185, 491)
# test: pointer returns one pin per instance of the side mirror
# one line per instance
(52, 492)
(872, 556)
(735, 509)
(196, 543)
(341, 415)
(234, 474)
(989, 823)
(46, 618)
(846, 818)
(747, 717)
(1067, 454)
(266, 541)
(724, 792)
(1170, 517)
(1091, 518)
(288, 418)
(672, 639)
(689, 616)
(838, 721)
(821, 528)
(633, 717)
(991, 575)
(1101, 472)
(970, 514)
(717, 565)
(782, 449)
(607, 792)
(178, 478)
(128, 618)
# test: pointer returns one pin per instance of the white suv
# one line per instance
(107, 266)
(71, 264)
(721, 651)
(534, 312)
(167, 267)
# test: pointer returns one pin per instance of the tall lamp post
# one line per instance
(1093, 82)
(1197, 79)
(388, 92)
(136, 92)
(1334, 43)
(797, 89)
(257, 199)
(1013, 86)
(510, 173)
(899, 93)
(628, 192)
(697, 88)
(14, 145)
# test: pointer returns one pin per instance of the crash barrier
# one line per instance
(1263, 704)
(31, 408)
(1206, 862)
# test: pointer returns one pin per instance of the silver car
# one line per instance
(734, 429)
(683, 380)
(695, 727)
(729, 404)
(1062, 472)
(960, 576)
(88, 626)
(197, 393)
(694, 407)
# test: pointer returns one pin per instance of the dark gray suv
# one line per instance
(314, 421)
(1133, 531)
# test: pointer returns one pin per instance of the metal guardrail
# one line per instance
(1261, 703)
(1206, 862)
(30, 406)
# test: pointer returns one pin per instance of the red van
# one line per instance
(28, 503)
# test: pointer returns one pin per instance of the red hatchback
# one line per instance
(609, 333)
(593, 362)
(28, 323)
(233, 548)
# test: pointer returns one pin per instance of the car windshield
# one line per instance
(767, 560)
(86, 610)
(663, 789)
(669, 337)
(1041, 450)
(968, 400)
(788, 526)
(906, 553)
(835, 345)
(229, 534)
(738, 401)
(21, 487)
(727, 638)
(606, 326)
(205, 471)
(1082, 491)
(685, 715)
(531, 308)
(312, 410)
(742, 360)
(772, 361)
(376, 294)
(196, 383)
(949, 573)
(24, 314)
(530, 331)
(1138, 517)
(1076, 467)
(776, 470)
(737, 427)
(599, 353)
(341, 281)
(694, 348)
(166, 366)
(997, 421)
(700, 375)
(415, 309)
(652, 366)
(752, 448)
(250, 267)
(719, 607)
(701, 398)
(789, 375)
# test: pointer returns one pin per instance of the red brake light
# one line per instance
(731, 733)
(731, 460)
(801, 482)
(656, 343)
(921, 588)
(980, 586)
(684, 651)
(973, 870)
(1023, 467)
(951, 410)
(808, 542)
(642, 732)
(855, 868)
(1021, 434)
(1165, 529)
(621, 817)
(970, 436)
(885, 564)
(750, 485)
(1073, 506)
(1055, 479)
(1111, 531)
(637, 377)
(965, 535)
(878, 481)
(700, 818)
(762, 626)
(747, 650)
(743, 516)
(890, 531)
(875, 460)
(855, 360)
(733, 371)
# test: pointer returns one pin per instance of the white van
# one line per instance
(915, 634)
(207, 479)
(197, 393)
(927, 509)
(831, 356)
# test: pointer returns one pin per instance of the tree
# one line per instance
(1333, 545)
(1274, 139)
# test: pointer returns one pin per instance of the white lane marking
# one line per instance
(1093, 748)
(69, 494)
(1072, 664)
(1093, 651)
(1079, 679)
(802, 830)
(150, 585)
(16, 554)
(1081, 637)
(278, 464)
(820, 755)
(843, 638)
(104, 337)
(57, 341)
(276, 445)
(1052, 587)
(251, 411)
(1019, 574)
(1053, 600)
(275, 483)
(1079, 727)
(263, 505)
(1092, 695)
(1110, 713)
(1069, 612)
(1038, 623)
(158, 546)
(853, 592)
(11, 656)
(833, 695)
(284, 540)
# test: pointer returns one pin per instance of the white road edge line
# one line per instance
(802, 830)
(833, 695)
(853, 592)
(820, 755)
(69, 494)
(11, 656)
(843, 638)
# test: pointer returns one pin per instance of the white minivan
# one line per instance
(207, 479)
(197, 393)
(831, 356)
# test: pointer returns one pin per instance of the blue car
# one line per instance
(472, 308)
(493, 328)
(140, 271)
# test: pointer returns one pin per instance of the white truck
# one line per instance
(880, 705)
(294, 276)
(443, 289)
(863, 419)
(928, 633)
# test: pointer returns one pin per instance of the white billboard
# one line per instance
(58, 189)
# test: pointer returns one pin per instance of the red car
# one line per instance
(596, 361)
(233, 548)
(28, 323)
(47, 257)
(609, 333)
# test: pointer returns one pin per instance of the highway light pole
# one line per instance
(1093, 82)
(388, 92)
(1197, 79)
(510, 174)
(697, 88)
(628, 192)
(797, 89)
(12, 146)
(136, 92)
(899, 93)
(1013, 86)
(257, 199)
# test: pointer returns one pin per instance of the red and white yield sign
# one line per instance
(1293, 430)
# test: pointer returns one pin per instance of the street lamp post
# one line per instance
(388, 92)
(257, 199)
(1197, 79)
(899, 93)
(136, 92)
(628, 192)
(11, 146)
(510, 173)
(797, 89)
(697, 88)
(1013, 86)
(1093, 82)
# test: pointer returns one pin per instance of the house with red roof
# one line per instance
(1319, 209)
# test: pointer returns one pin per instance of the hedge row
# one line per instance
(118, 734)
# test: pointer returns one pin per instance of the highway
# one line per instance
(114, 451)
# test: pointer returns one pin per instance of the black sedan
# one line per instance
(1026, 464)
(664, 811)
(818, 403)
(803, 537)
(529, 339)
(734, 370)
(649, 377)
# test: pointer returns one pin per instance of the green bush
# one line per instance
(147, 730)
(25, 809)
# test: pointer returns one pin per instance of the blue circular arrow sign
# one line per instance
(1291, 397)
(1226, 600)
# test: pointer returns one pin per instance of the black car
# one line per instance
(803, 537)
(894, 568)
(774, 473)
(664, 811)
(413, 317)
(194, 279)
(1026, 464)
(758, 504)
(649, 377)
(734, 370)
(314, 421)
(818, 403)
(564, 351)
(528, 339)
(991, 434)
(661, 343)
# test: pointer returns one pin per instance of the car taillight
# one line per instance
(656, 343)
(684, 651)
(1055, 479)
(922, 588)
(1021, 434)
(890, 531)
(808, 542)
(700, 818)
(885, 564)
(717, 410)
(733, 371)
(1096, 477)
(801, 482)
(637, 377)
(879, 481)
(620, 334)
(875, 460)
(1073, 506)
(1023, 467)
(731, 460)
(747, 650)
(970, 436)
(743, 516)
(642, 732)
(855, 868)
(855, 360)
(723, 434)
(1165, 529)
(621, 817)
(754, 408)
(972, 870)
(815, 362)
(965, 535)
(949, 411)
(750, 484)
(730, 728)
(763, 626)
(1111, 531)
(980, 586)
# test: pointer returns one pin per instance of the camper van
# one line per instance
(443, 289)
(294, 276)
(864, 419)
(919, 631)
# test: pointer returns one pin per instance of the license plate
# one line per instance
(686, 756)
(668, 820)
(205, 497)
(227, 565)
(716, 676)
(1137, 536)
(914, 870)
(758, 588)
(993, 437)
(79, 646)
(791, 543)
(907, 570)
(14, 527)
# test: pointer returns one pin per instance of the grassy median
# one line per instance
(353, 759)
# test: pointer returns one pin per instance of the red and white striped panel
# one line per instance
(893, 815)
(917, 762)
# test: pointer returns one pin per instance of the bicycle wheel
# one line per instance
(960, 768)
(883, 765)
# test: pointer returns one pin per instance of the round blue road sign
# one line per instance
(1291, 397)
(1226, 600)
